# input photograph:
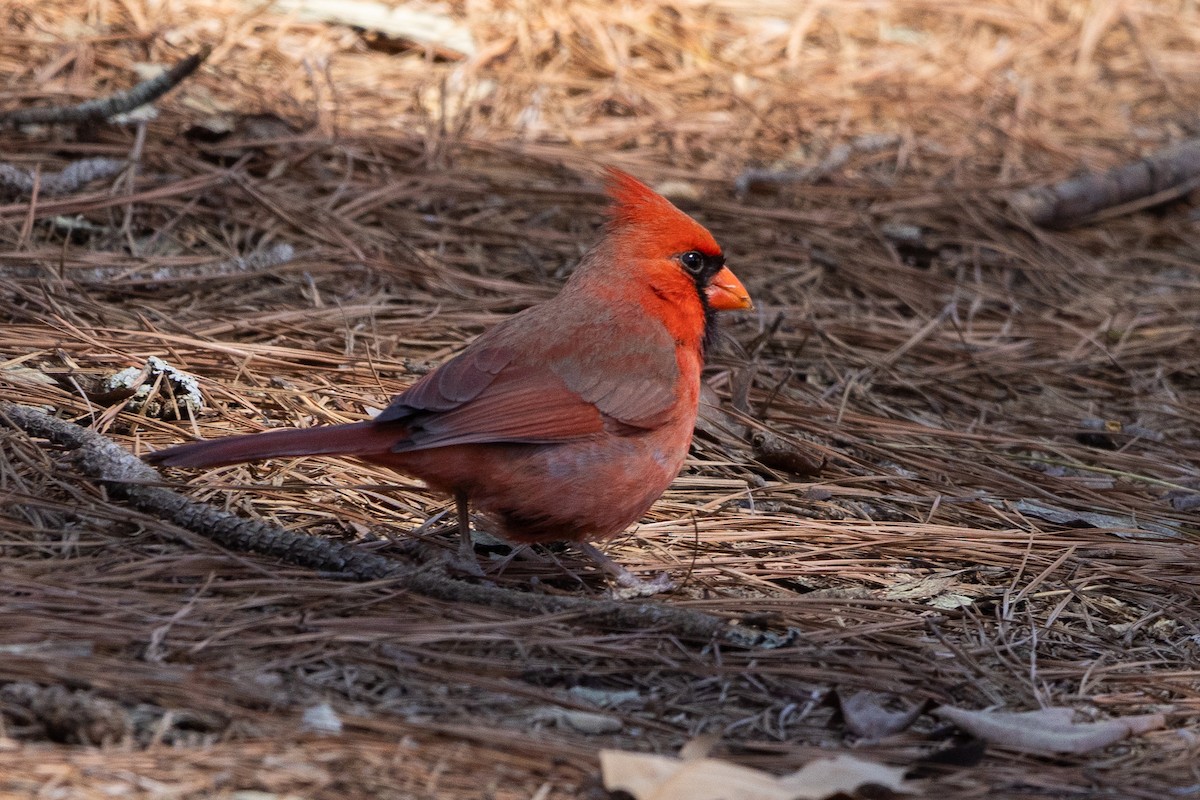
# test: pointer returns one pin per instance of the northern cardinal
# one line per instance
(568, 420)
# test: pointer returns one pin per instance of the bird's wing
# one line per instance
(542, 387)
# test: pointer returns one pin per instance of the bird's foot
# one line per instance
(629, 585)
(465, 560)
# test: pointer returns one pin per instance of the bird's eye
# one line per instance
(693, 261)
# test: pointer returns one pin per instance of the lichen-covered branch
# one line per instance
(20, 182)
(105, 107)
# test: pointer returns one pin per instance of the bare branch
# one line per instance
(1157, 178)
(105, 107)
(69, 179)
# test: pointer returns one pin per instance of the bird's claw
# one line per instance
(631, 587)
(465, 560)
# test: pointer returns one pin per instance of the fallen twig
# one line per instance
(834, 160)
(21, 182)
(127, 478)
(105, 107)
(254, 262)
(258, 261)
(1157, 178)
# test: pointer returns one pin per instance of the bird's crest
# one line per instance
(640, 213)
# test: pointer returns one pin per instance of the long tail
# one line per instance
(354, 439)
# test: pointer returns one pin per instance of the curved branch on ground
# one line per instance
(105, 107)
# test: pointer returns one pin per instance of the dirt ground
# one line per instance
(956, 461)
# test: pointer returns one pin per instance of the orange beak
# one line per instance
(726, 293)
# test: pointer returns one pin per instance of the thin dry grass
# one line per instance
(969, 380)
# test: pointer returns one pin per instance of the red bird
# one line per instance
(568, 420)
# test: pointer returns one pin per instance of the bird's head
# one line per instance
(656, 258)
(668, 250)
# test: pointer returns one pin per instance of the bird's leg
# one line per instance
(466, 547)
(463, 560)
(631, 585)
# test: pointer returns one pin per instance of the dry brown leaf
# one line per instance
(699, 746)
(866, 715)
(921, 588)
(1122, 525)
(651, 777)
(826, 777)
(26, 375)
(1049, 730)
(946, 590)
